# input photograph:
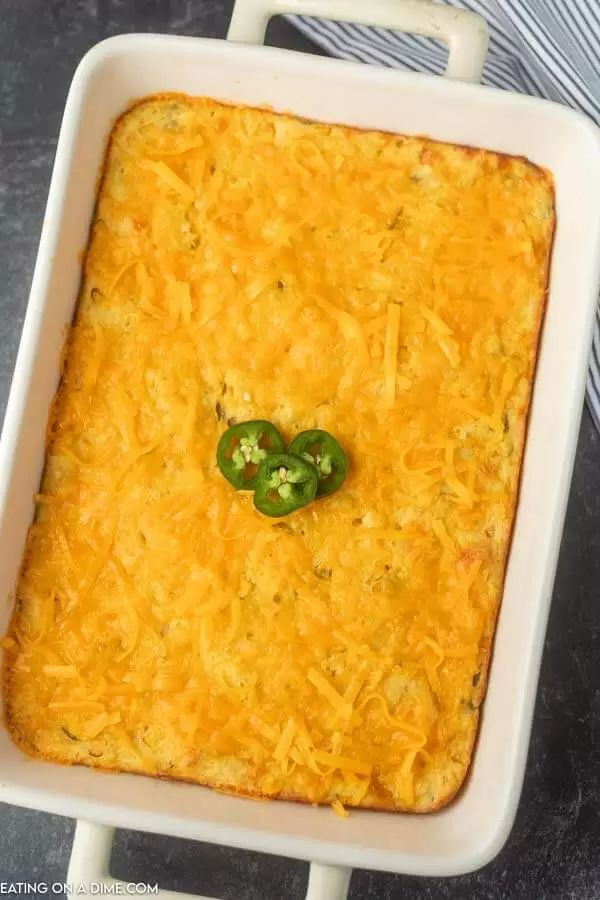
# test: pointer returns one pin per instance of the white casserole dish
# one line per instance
(471, 830)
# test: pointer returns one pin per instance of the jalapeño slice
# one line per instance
(243, 447)
(285, 482)
(329, 459)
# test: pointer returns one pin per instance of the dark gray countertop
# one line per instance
(554, 849)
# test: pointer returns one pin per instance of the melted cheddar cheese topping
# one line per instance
(245, 264)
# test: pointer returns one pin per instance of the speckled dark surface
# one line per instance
(554, 849)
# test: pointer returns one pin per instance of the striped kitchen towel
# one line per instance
(550, 48)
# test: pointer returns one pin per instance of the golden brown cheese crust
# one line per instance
(244, 264)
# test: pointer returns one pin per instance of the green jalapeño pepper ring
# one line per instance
(324, 452)
(243, 447)
(285, 482)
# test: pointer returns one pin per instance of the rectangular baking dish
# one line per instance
(472, 829)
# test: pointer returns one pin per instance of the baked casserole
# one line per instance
(245, 264)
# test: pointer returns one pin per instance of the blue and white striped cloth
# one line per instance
(549, 48)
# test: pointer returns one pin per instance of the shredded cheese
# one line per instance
(390, 357)
(343, 763)
(282, 750)
(244, 264)
(168, 176)
(328, 691)
(339, 809)
(440, 531)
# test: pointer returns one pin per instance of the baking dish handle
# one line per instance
(464, 32)
(88, 874)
